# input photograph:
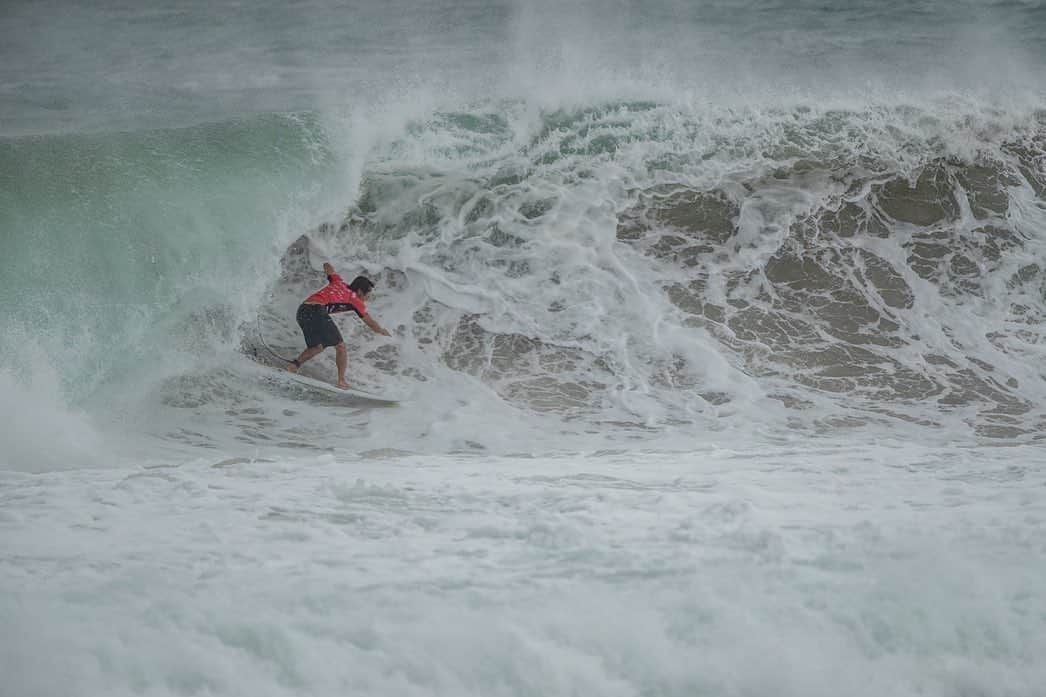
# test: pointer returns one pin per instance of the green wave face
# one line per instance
(107, 237)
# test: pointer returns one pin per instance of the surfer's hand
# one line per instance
(374, 326)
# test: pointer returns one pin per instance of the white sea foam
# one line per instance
(38, 430)
(808, 571)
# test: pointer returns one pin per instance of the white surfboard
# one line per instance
(352, 395)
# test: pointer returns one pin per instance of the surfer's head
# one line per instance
(361, 286)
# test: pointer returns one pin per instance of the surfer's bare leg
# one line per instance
(342, 359)
(304, 356)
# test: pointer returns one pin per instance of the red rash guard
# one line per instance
(336, 297)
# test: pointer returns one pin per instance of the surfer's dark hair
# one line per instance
(361, 285)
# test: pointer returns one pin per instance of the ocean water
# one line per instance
(717, 328)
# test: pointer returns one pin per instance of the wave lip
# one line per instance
(857, 268)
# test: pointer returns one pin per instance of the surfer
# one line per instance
(314, 318)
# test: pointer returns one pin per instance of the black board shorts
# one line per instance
(317, 326)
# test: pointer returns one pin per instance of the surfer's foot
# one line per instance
(343, 385)
(292, 368)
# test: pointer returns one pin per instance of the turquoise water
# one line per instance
(109, 235)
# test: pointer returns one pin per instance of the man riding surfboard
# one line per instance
(314, 318)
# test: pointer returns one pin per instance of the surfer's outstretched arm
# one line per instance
(328, 269)
(375, 327)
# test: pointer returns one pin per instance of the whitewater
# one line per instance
(717, 329)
